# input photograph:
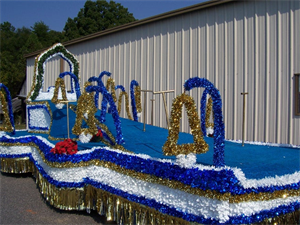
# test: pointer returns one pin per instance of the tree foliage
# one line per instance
(97, 16)
(15, 43)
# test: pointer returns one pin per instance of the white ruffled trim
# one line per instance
(181, 200)
(244, 182)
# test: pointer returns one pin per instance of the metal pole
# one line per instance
(167, 115)
(68, 119)
(145, 106)
(165, 103)
(152, 100)
(244, 111)
(67, 116)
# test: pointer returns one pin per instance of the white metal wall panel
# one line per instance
(29, 73)
(243, 46)
(51, 71)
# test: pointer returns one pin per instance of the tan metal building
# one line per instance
(240, 46)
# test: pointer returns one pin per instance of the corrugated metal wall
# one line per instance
(251, 46)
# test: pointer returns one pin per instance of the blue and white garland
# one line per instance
(100, 84)
(173, 202)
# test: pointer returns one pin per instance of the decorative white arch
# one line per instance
(40, 64)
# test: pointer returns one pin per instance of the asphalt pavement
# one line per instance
(22, 203)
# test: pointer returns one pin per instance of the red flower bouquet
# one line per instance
(67, 147)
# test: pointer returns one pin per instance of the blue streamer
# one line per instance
(108, 98)
(120, 87)
(203, 112)
(74, 77)
(100, 84)
(219, 130)
(133, 103)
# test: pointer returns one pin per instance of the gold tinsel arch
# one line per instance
(124, 93)
(208, 113)
(110, 84)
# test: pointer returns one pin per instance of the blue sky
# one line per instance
(55, 13)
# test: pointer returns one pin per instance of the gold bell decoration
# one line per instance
(7, 126)
(85, 111)
(171, 147)
(60, 83)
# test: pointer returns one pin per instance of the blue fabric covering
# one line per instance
(256, 161)
(59, 122)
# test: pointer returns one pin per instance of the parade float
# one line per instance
(85, 158)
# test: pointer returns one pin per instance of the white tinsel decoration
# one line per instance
(186, 160)
(209, 131)
(85, 138)
(59, 106)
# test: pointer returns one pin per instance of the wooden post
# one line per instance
(165, 103)
(244, 111)
(145, 106)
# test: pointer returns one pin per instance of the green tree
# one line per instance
(97, 16)
(41, 30)
(31, 44)
(15, 43)
(7, 32)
